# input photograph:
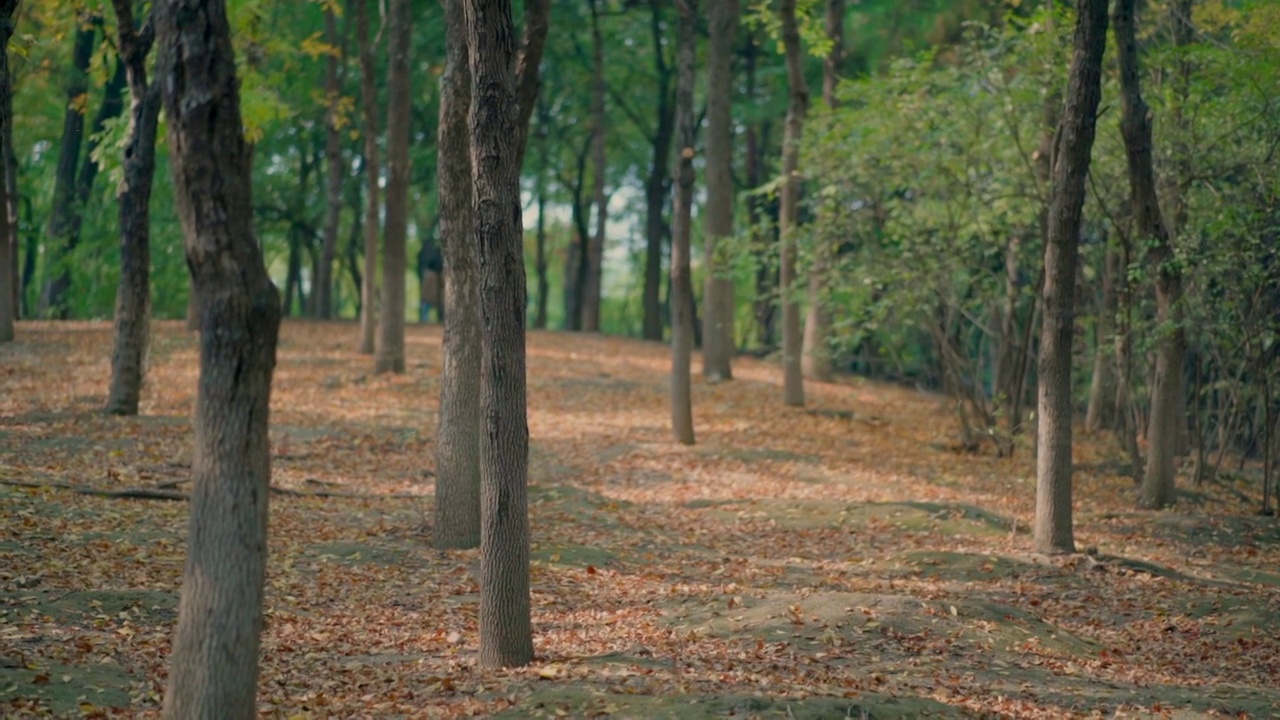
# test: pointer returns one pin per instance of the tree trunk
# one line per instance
(1053, 529)
(717, 316)
(682, 227)
(1102, 386)
(797, 106)
(537, 17)
(53, 296)
(214, 661)
(390, 350)
(657, 185)
(540, 258)
(133, 295)
(817, 326)
(1166, 390)
(575, 258)
(372, 221)
(323, 292)
(595, 249)
(506, 637)
(9, 280)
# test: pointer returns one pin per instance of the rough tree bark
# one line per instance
(8, 245)
(372, 221)
(506, 636)
(133, 294)
(682, 226)
(718, 345)
(389, 354)
(214, 662)
(595, 248)
(797, 107)
(657, 185)
(816, 360)
(1166, 392)
(1053, 529)
(335, 64)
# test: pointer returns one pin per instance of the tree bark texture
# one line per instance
(389, 355)
(595, 248)
(372, 221)
(1053, 529)
(214, 661)
(797, 107)
(657, 185)
(506, 637)
(816, 361)
(9, 281)
(537, 17)
(1167, 407)
(457, 513)
(322, 297)
(133, 294)
(682, 226)
(718, 346)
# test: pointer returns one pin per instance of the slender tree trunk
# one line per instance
(817, 327)
(1166, 391)
(1053, 528)
(595, 249)
(540, 259)
(657, 185)
(372, 222)
(533, 43)
(389, 355)
(1102, 386)
(682, 227)
(9, 280)
(1126, 413)
(53, 296)
(797, 106)
(717, 333)
(575, 259)
(323, 293)
(133, 295)
(506, 637)
(21, 276)
(214, 661)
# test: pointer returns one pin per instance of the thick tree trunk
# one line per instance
(133, 295)
(718, 345)
(389, 356)
(1166, 392)
(817, 325)
(214, 661)
(657, 185)
(1053, 528)
(372, 221)
(506, 637)
(797, 107)
(9, 280)
(682, 227)
(457, 514)
(1102, 386)
(595, 249)
(323, 293)
(53, 295)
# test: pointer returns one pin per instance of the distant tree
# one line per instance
(389, 355)
(1053, 530)
(214, 661)
(599, 122)
(657, 184)
(8, 240)
(372, 220)
(335, 64)
(797, 107)
(681, 281)
(717, 316)
(133, 295)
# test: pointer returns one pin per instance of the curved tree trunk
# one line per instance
(389, 355)
(506, 637)
(1053, 529)
(682, 227)
(1167, 408)
(372, 222)
(797, 107)
(718, 345)
(214, 661)
(133, 295)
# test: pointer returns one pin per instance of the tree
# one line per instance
(369, 103)
(1072, 153)
(133, 294)
(8, 245)
(214, 662)
(506, 635)
(657, 185)
(334, 68)
(816, 355)
(389, 356)
(797, 107)
(717, 316)
(681, 282)
(595, 248)
(1166, 393)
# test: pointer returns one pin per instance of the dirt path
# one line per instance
(835, 563)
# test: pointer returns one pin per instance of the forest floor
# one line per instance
(839, 561)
